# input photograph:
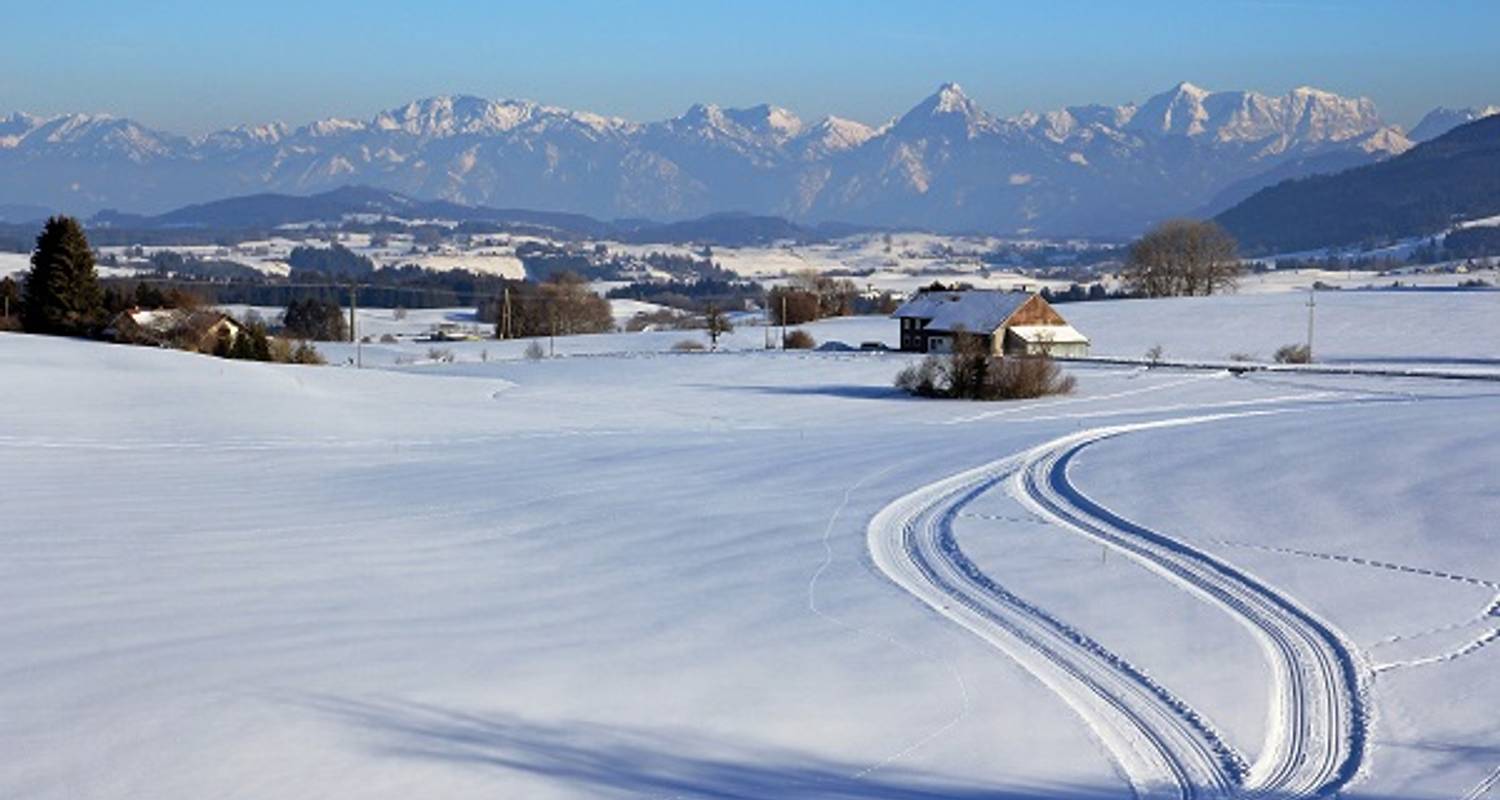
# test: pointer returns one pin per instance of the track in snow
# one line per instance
(1164, 747)
(1316, 738)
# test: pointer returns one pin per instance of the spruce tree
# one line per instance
(62, 295)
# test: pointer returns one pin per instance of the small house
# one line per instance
(185, 329)
(1010, 323)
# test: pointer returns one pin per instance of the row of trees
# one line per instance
(810, 296)
(312, 318)
(559, 306)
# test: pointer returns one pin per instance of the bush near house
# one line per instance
(971, 372)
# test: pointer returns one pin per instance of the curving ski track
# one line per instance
(1316, 737)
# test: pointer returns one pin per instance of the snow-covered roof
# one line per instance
(1041, 334)
(974, 310)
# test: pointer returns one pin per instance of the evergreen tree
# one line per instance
(62, 295)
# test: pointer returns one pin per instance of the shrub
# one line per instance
(386, 338)
(688, 346)
(440, 354)
(971, 372)
(305, 353)
(285, 351)
(534, 351)
(1241, 357)
(799, 340)
(1019, 378)
(922, 378)
(1293, 354)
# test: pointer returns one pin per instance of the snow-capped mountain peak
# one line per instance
(448, 115)
(333, 126)
(946, 112)
(1440, 120)
(832, 135)
(946, 163)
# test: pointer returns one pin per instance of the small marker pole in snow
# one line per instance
(1312, 304)
(353, 334)
(552, 333)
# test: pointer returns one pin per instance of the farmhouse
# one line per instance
(1011, 323)
(196, 330)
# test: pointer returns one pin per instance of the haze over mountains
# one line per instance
(946, 164)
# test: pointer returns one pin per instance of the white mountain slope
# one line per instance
(1441, 120)
(947, 163)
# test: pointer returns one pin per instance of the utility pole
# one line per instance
(783, 321)
(1312, 304)
(505, 329)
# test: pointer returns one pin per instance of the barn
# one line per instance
(1011, 323)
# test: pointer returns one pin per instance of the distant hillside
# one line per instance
(1422, 191)
(264, 212)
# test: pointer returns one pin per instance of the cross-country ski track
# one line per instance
(1316, 736)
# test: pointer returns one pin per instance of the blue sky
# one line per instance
(196, 66)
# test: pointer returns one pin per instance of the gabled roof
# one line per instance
(973, 310)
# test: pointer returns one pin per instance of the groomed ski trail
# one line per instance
(1316, 737)
(1163, 747)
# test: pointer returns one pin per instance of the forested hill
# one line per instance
(1422, 191)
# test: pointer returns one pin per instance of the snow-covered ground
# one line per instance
(634, 573)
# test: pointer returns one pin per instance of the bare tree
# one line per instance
(1182, 257)
(717, 323)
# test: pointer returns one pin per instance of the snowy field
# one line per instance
(632, 573)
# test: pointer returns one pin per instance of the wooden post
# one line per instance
(783, 320)
(505, 316)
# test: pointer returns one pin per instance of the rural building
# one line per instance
(187, 329)
(1011, 323)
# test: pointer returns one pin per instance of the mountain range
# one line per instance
(945, 165)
